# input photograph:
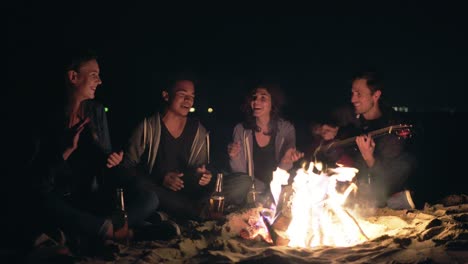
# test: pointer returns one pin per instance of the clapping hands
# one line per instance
(73, 136)
(114, 159)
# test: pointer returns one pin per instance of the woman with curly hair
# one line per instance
(265, 140)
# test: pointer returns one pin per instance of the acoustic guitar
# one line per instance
(401, 130)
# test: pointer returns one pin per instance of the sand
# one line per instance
(438, 233)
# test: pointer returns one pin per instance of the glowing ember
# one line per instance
(256, 227)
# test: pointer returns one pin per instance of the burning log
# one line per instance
(315, 208)
(309, 212)
(261, 227)
(271, 231)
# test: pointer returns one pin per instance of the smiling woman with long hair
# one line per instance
(265, 140)
(78, 172)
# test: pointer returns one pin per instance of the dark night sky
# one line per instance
(421, 48)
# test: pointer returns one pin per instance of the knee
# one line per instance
(153, 197)
(239, 183)
(150, 198)
(246, 183)
(238, 189)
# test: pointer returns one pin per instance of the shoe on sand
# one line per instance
(401, 201)
(157, 217)
(165, 230)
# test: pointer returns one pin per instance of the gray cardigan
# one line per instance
(144, 143)
(285, 139)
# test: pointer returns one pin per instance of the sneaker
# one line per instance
(50, 247)
(157, 217)
(165, 230)
(51, 237)
(401, 201)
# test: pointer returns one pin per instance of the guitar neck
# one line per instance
(352, 140)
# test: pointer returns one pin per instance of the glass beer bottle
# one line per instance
(252, 197)
(120, 219)
(216, 208)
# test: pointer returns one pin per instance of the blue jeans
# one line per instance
(185, 205)
(140, 199)
(235, 187)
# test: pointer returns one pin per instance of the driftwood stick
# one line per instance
(271, 231)
(356, 222)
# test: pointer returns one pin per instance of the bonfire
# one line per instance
(311, 221)
(313, 211)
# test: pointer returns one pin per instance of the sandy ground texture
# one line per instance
(436, 234)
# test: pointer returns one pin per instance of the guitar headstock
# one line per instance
(402, 131)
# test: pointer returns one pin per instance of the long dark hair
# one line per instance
(277, 103)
